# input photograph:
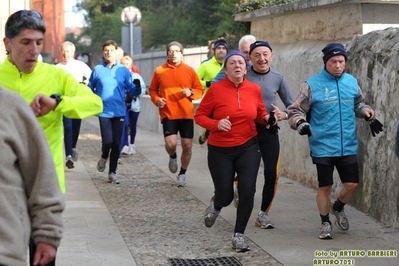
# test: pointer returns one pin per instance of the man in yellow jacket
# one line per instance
(50, 91)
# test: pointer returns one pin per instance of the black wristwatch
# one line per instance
(192, 92)
(57, 98)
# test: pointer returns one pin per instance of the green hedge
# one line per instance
(249, 5)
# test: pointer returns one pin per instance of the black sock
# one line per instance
(173, 156)
(338, 205)
(325, 218)
(182, 171)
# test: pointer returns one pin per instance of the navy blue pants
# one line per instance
(71, 133)
(111, 135)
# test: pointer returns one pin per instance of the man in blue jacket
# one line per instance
(326, 109)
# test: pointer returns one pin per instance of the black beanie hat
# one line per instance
(333, 49)
(220, 42)
(174, 43)
(259, 43)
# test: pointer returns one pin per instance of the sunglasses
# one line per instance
(26, 13)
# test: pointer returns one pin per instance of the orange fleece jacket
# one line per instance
(168, 82)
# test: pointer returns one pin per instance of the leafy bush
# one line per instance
(249, 5)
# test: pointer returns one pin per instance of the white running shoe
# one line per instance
(132, 149)
(182, 180)
(125, 150)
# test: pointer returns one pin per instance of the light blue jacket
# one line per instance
(333, 115)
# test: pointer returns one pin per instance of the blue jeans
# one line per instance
(71, 133)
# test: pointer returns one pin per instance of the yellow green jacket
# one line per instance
(78, 101)
(207, 71)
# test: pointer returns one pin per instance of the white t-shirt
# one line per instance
(78, 69)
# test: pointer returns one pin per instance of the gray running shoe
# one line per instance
(326, 231)
(69, 162)
(172, 165)
(75, 155)
(113, 178)
(239, 243)
(263, 221)
(341, 222)
(182, 180)
(236, 196)
(210, 215)
(101, 164)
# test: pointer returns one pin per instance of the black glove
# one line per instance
(207, 84)
(303, 128)
(272, 118)
(274, 129)
(128, 98)
(137, 82)
(375, 126)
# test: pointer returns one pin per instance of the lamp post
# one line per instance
(131, 15)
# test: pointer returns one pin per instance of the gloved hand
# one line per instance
(128, 98)
(375, 125)
(275, 129)
(137, 82)
(207, 84)
(303, 128)
(272, 118)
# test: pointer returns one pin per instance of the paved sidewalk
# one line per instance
(147, 219)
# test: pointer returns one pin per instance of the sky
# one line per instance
(72, 19)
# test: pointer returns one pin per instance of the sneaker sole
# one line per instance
(259, 224)
(117, 182)
(326, 237)
(239, 250)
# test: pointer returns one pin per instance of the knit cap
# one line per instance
(259, 43)
(333, 49)
(219, 43)
(174, 43)
(235, 52)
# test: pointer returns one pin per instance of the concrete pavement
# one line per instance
(97, 234)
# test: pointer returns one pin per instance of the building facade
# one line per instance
(53, 15)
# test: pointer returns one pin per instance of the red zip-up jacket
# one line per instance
(243, 105)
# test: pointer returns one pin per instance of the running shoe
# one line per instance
(172, 164)
(263, 221)
(326, 231)
(239, 243)
(341, 222)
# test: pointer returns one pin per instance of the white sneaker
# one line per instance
(125, 150)
(113, 178)
(132, 149)
(69, 162)
(182, 180)
(75, 155)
